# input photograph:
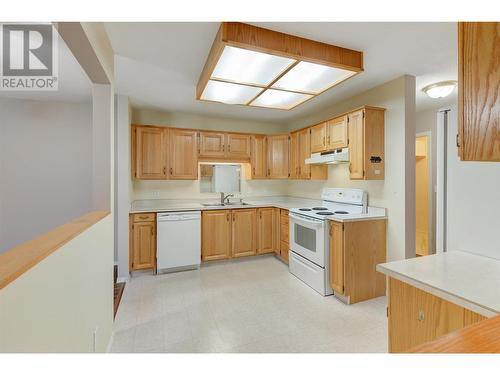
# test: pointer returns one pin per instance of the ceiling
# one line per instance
(158, 64)
(73, 83)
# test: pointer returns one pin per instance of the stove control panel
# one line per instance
(347, 196)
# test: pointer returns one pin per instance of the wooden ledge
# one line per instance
(18, 260)
(482, 337)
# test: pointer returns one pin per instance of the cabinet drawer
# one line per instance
(147, 216)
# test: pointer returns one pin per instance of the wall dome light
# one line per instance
(440, 89)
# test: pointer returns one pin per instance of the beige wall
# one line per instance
(191, 189)
(58, 305)
(390, 193)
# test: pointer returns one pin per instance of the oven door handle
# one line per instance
(304, 220)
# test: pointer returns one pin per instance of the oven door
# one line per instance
(307, 238)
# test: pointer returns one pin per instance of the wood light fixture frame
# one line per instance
(253, 38)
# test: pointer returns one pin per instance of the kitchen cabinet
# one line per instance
(142, 241)
(212, 145)
(284, 235)
(244, 232)
(416, 317)
(478, 87)
(183, 155)
(294, 158)
(230, 146)
(266, 223)
(337, 133)
(277, 156)
(238, 146)
(300, 150)
(258, 157)
(355, 250)
(150, 152)
(318, 138)
(215, 235)
(366, 144)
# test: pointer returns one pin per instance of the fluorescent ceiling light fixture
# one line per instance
(280, 99)
(249, 67)
(312, 78)
(229, 93)
(440, 89)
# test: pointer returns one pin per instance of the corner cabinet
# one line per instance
(478, 91)
(366, 144)
(142, 241)
(416, 317)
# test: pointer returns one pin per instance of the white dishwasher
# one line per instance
(178, 241)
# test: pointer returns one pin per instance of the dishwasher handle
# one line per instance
(177, 216)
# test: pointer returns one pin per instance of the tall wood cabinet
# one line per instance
(258, 156)
(215, 235)
(478, 91)
(277, 156)
(366, 144)
(142, 241)
(183, 155)
(416, 317)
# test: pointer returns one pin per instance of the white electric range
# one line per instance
(309, 237)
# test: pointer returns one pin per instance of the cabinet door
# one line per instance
(277, 156)
(416, 317)
(244, 232)
(238, 146)
(150, 153)
(212, 145)
(183, 155)
(265, 230)
(356, 145)
(216, 235)
(259, 156)
(276, 230)
(144, 245)
(304, 153)
(337, 257)
(337, 133)
(478, 91)
(318, 138)
(284, 235)
(294, 155)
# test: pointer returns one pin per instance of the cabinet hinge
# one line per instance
(348, 120)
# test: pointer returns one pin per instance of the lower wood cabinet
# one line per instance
(266, 229)
(284, 234)
(416, 317)
(215, 235)
(142, 241)
(355, 250)
(244, 232)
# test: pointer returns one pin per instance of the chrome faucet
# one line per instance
(223, 198)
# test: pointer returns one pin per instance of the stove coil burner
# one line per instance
(304, 209)
(341, 212)
(324, 213)
(320, 208)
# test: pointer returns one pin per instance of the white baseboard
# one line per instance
(125, 279)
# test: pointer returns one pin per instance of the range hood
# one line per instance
(338, 156)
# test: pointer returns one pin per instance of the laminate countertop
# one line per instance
(463, 278)
(284, 202)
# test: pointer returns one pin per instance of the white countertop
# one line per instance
(284, 202)
(469, 280)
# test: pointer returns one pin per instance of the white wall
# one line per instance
(397, 192)
(473, 201)
(46, 166)
(58, 304)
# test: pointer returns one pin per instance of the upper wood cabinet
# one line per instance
(416, 317)
(300, 150)
(304, 152)
(238, 146)
(277, 156)
(266, 230)
(478, 91)
(318, 138)
(259, 156)
(366, 144)
(336, 133)
(294, 158)
(244, 232)
(212, 145)
(215, 235)
(150, 152)
(142, 241)
(183, 155)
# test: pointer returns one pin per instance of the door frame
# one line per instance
(430, 191)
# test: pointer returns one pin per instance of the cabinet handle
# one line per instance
(171, 170)
(253, 169)
(299, 171)
(227, 216)
(152, 233)
(421, 316)
(223, 148)
(328, 141)
(268, 172)
(164, 170)
(350, 168)
(233, 217)
(458, 140)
